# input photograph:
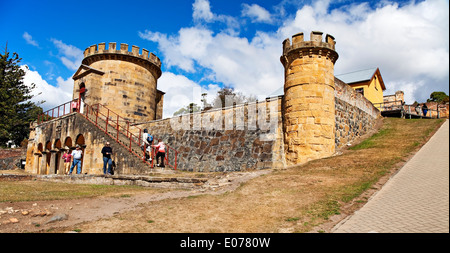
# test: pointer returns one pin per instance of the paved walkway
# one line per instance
(415, 200)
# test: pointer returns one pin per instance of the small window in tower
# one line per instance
(360, 90)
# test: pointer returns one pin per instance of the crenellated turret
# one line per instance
(309, 102)
(124, 81)
(95, 52)
(316, 46)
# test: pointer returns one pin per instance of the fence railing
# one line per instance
(409, 109)
(389, 106)
(59, 111)
(430, 112)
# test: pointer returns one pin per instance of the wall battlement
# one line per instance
(122, 49)
(128, 83)
(315, 45)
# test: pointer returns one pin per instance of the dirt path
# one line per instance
(48, 216)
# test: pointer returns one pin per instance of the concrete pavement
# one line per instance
(415, 200)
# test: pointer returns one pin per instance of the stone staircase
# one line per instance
(117, 133)
(127, 163)
(124, 133)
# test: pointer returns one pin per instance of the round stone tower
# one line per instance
(309, 101)
(123, 81)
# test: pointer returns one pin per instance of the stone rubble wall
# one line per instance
(355, 115)
(230, 139)
(10, 159)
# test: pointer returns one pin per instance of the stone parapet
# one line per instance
(123, 81)
(301, 48)
(99, 52)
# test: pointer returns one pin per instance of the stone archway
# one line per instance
(68, 143)
(80, 140)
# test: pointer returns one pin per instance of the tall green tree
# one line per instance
(438, 96)
(16, 109)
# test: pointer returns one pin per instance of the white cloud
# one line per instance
(256, 13)
(409, 88)
(409, 43)
(231, 60)
(251, 67)
(202, 11)
(181, 50)
(70, 56)
(180, 92)
(70, 64)
(52, 95)
(29, 39)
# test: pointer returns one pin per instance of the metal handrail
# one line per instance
(136, 138)
(109, 122)
(399, 105)
(58, 111)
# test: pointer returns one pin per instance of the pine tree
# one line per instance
(16, 109)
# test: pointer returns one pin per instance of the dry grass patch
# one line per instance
(31, 190)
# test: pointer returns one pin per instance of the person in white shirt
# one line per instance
(147, 140)
(76, 155)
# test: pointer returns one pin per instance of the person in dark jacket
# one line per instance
(424, 109)
(107, 152)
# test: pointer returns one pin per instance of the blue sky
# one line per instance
(206, 44)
